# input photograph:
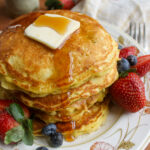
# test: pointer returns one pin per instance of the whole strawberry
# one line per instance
(129, 92)
(60, 4)
(127, 51)
(143, 65)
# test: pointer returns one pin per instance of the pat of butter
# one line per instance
(49, 32)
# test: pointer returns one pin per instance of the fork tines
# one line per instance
(137, 31)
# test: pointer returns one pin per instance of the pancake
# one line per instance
(56, 102)
(38, 125)
(5, 94)
(90, 121)
(31, 67)
(73, 111)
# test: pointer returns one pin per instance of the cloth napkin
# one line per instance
(119, 13)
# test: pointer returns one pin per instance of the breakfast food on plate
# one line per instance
(39, 71)
(61, 65)
(68, 85)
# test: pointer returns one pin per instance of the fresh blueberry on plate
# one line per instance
(132, 60)
(56, 139)
(123, 65)
(42, 148)
(49, 129)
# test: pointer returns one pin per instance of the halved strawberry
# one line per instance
(7, 122)
(125, 52)
(143, 65)
(5, 103)
(14, 124)
(129, 92)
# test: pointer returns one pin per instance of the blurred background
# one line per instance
(7, 13)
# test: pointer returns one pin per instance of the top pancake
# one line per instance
(30, 66)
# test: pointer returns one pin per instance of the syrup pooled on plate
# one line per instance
(59, 24)
(69, 127)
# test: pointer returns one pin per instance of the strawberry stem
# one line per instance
(125, 73)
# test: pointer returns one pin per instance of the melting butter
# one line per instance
(52, 30)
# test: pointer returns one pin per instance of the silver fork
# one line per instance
(138, 32)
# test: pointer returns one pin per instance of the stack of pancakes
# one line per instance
(66, 86)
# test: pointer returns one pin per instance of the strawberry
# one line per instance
(5, 103)
(15, 124)
(129, 92)
(60, 4)
(7, 122)
(125, 52)
(143, 65)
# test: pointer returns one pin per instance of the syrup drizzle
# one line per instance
(147, 103)
(59, 24)
(147, 110)
(64, 66)
(69, 127)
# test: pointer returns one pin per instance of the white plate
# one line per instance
(121, 130)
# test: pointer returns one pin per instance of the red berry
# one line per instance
(7, 122)
(5, 103)
(129, 92)
(26, 111)
(143, 65)
(67, 4)
(125, 52)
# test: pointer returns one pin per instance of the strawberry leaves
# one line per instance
(54, 4)
(60, 4)
(23, 131)
(125, 73)
(17, 112)
(28, 137)
(14, 135)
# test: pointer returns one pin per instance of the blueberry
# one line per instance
(56, 139)
(123, 65)
(49, 129)
(120, 46)
(132, 60)
(42, 148)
